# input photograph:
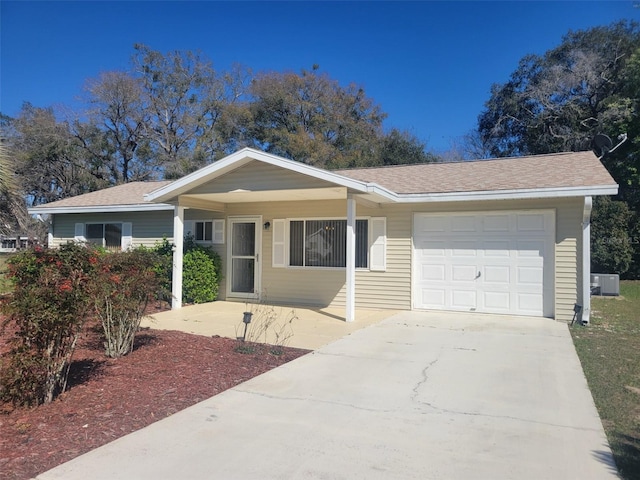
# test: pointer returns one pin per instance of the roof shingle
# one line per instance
(559, 170)
(126, 194)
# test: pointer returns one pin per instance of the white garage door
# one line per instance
(497, 262)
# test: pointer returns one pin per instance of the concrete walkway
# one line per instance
(307, 328)
(416, 396)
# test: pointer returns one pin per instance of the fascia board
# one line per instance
(240, 158)
(509, 194)
(145, 207)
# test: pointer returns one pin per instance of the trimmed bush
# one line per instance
(199, 277)
(47, 309)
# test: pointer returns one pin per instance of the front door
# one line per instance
(244, 257)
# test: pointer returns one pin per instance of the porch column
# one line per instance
(586, 260)
(178, 241)
(351, 260)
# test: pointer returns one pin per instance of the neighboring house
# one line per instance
(499, 236)
(9, 243)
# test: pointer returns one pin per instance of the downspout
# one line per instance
(351, 260)
(178, 242)
(586, 260)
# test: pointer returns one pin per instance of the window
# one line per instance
(206, 231)
(323, 243)
(112, 236)
(107, 235)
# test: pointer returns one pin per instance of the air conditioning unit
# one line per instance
(605, 284)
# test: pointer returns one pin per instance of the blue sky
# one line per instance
(429, 65)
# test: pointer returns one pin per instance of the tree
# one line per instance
(13, 213)
(114, 138)
(49, 160)
(559, 101)
(185, 98)
(611, 248)
(589, 84)
(310, 118)
(399, 148)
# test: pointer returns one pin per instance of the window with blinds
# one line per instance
(323, 243)
(107, 235)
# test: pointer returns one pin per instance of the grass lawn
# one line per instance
(609, 349)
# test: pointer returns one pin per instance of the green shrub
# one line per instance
(201, 271)
(199, 277)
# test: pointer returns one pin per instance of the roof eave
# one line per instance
(596, 190)
(140, 207)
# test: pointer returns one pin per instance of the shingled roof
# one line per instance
(558, 170)
(125, 195)
(562, 172)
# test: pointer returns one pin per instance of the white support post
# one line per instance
(351, 260)
(586, 260)
(178, 242)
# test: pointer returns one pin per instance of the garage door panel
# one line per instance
(463, 223)
(497, 274)
(433, 273)
(531, 223)
(487, 262)
(530, 276)
(531, 248)
(530, 303)
(496, 248)
(496, 223)
(433, 298)
(464, 299)
(463, 273)
(497, 301)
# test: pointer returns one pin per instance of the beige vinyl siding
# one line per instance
(294, 286)
(258, 176)
(148, 227)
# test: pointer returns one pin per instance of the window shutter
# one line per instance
(279, 257)
(218, 231)
(378, 260)
(127, 236)
(79, 233)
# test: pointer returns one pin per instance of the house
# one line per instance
(504, 236)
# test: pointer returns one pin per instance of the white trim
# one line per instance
(142, 207)
(507, 194)
(350, 313)
(178, 245)
(241, 158)
(257, 219)
(586, 260)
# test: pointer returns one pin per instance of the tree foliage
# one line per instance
(310, 118)
(559, 101)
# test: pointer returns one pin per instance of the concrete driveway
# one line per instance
(416, 396)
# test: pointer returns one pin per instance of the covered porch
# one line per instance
(310, 328)
(253, 198)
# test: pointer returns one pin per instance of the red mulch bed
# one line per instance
(108, 398)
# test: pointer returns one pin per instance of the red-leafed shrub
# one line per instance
(47, 309)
